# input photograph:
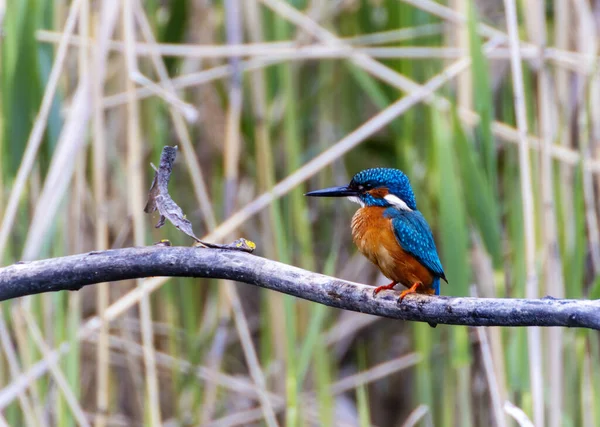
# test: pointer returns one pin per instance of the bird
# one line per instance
(389, 230)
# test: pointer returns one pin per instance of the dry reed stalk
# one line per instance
(75, 219)
(54, 368)
(517, 414)
(136, 200)
(561, 40)
(486, 284)
(395, 35)
(74, 309)
(234, 384)
(254, 48)
(24, 350)
(266, 179)
(228, 299)
(594, 107)
(2, 154)
(233, 24)
(470, 118)
(502, 131)
(588, 409)
(464, 82)
(536, 25)
(182, 82)
(587, 124)
(402, 82)
(247, 388)
(107, 16)
(59, 174)
(495, 390)
(292, 51)
(415, 416)
(31, 372)
(258, 91)
(563, 58)
(250, 354)
(532, 285)
(113, 421)
(242, 386)
(370, 65)
(181, 130)
(37, 133)
(71, 140)
(591, 215)
(214, 359)
(464, 99)
(342, 146)
(172, 99)
(289, 51)
(376, 372)
(233, 127)
(30, 416)
(232, 150)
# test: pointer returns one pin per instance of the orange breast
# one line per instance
(373, 235)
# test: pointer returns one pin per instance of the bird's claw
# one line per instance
(416, 288)
(383, 288)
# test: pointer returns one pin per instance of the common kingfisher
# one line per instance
(390, 231)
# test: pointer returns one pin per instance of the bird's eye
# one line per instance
(361, 187)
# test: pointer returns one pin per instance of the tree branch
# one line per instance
(74, 272)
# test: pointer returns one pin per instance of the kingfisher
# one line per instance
(390, 231)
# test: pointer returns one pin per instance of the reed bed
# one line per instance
(492, 108)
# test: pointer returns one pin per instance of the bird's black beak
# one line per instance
(333, 192)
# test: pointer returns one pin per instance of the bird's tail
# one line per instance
(436, 285)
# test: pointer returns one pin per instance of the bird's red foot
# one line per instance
(384, 288)
(417, 288)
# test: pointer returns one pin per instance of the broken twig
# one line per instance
(160, 199)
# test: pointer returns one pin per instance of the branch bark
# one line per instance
(74, 272)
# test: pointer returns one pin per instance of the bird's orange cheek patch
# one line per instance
(379, 193)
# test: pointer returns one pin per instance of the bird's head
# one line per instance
(382, 187)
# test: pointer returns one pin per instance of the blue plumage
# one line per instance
(395, 181)
(414, 236)
(386, 194)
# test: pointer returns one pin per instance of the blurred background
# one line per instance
(491, 107)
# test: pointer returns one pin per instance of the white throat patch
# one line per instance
(397, 202)
(357, 199)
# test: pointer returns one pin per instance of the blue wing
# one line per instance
(414, 235)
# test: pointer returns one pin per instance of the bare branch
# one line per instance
(74, 272)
